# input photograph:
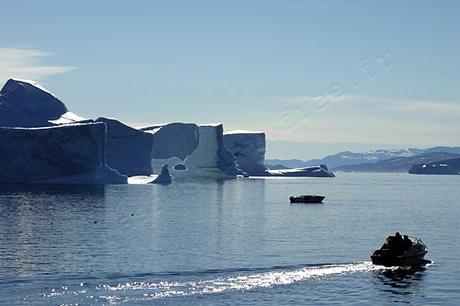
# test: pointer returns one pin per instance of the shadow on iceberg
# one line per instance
(164, 178)
(29, 109)
(248, 147)
(129, 150)
(26, 103)
(67, 154)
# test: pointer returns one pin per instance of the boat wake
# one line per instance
(137, 291)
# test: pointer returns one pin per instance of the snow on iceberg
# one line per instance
(26, 103)
(315, 171)
(249, 149)
(67, 154)
(129, 150)
(192, 150)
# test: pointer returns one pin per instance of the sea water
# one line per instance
(232, 242)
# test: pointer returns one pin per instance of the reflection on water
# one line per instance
(37, 222)
(403, 277)
(239, 238)
(209, 282)
(48, 189)
(399, 284)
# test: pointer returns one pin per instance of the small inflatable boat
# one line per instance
(400, 251)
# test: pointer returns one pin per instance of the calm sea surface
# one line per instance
(235, 242)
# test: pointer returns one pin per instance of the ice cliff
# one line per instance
(191, 150)
(28, 104)
(249, 150)
(64, 154)
(129, 150)
(34, 124)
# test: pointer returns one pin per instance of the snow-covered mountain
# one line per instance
(347, 158)
(397, 164)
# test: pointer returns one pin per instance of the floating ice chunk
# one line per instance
(164, 178)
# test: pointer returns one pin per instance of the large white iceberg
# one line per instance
(315, 171)
(26, 103)
(67, 154)
(191, 150)
(248, 147)
(129, 150)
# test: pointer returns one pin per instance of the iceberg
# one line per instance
(164, 178)
(26, 103)
(173, 140)
(192, 150)
(315, 171)
(129, 150)
(248, 147)
(65, 154)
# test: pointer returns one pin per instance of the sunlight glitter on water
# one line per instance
(240, 283)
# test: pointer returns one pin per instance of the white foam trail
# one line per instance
(239, 282)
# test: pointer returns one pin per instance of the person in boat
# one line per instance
(407, 243)
(399, 238)
(395, 243)
(398, 243)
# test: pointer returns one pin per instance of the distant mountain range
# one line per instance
(398, 164)
(373, 161)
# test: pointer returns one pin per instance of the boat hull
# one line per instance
(390, 261)
(307, 199)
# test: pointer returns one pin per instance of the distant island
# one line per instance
(449, 166)
(380, 160)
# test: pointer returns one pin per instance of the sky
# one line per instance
(318, 77)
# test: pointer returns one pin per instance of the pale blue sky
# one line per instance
(317, 76)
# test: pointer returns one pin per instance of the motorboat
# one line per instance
(307, 199)
(400, 251)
